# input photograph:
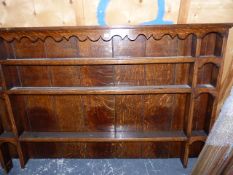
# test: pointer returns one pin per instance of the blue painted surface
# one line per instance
(103, 4)
(161, 13)
(101, 10)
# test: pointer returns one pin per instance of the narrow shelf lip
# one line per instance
(166, 26)
(156, 136)
(158, 89)
(98, 60)
(206, 88)
(198, 135)
(7, 136)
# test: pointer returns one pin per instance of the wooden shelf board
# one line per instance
(206, 88)
(162, 136)
(209, 59)
(102, 90)
(198, 135)
(98, 61)
(7, 136)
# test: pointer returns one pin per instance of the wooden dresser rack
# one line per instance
(99, 92)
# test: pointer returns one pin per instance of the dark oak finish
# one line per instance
(102, 92)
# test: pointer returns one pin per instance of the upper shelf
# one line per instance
(102, 90)
(106, 33)
(111, 60)
(98, 61)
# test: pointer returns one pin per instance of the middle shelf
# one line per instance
(112, 90)
(102, 90)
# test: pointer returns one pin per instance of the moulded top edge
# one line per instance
(167, 26)
(94, 33)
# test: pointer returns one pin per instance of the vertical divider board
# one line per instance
(15, 142)
(216, 101)
(5, 158)
(188, 130)
(197, 92)
(109, 89)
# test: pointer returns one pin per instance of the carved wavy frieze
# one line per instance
(106, 34)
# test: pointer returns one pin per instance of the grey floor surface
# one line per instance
(101, 167)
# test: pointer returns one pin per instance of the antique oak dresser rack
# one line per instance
(102, 92)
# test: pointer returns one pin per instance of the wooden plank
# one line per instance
(197, 136)
(102, 90)
(62, 49)
(130, 120)
(101, 75)
(7, 137)
(227, 80)
(30, 77)
(218, 86)
(5, 123)
(10, 74)
(217, 155)
(154, 48)
(159, 74)
(126, 48)
(21, 153)
(157, 110)
(183, 11)
(65, 76)
(99, 112)
(211, 11)
(194, 84)
(98, 61)
(189, 120)
(102, 136)
(69, 107)
(41, 113)
(129, 75)
(127, 118)
(26, 49)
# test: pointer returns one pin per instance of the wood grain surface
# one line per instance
(109, 92)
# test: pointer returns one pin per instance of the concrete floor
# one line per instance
(101, 167)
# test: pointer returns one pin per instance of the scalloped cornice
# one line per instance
(106, 33)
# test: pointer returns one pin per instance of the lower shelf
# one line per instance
(104, 150)
(159, 136)
(162, 136)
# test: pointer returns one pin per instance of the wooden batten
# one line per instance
(183, 12)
